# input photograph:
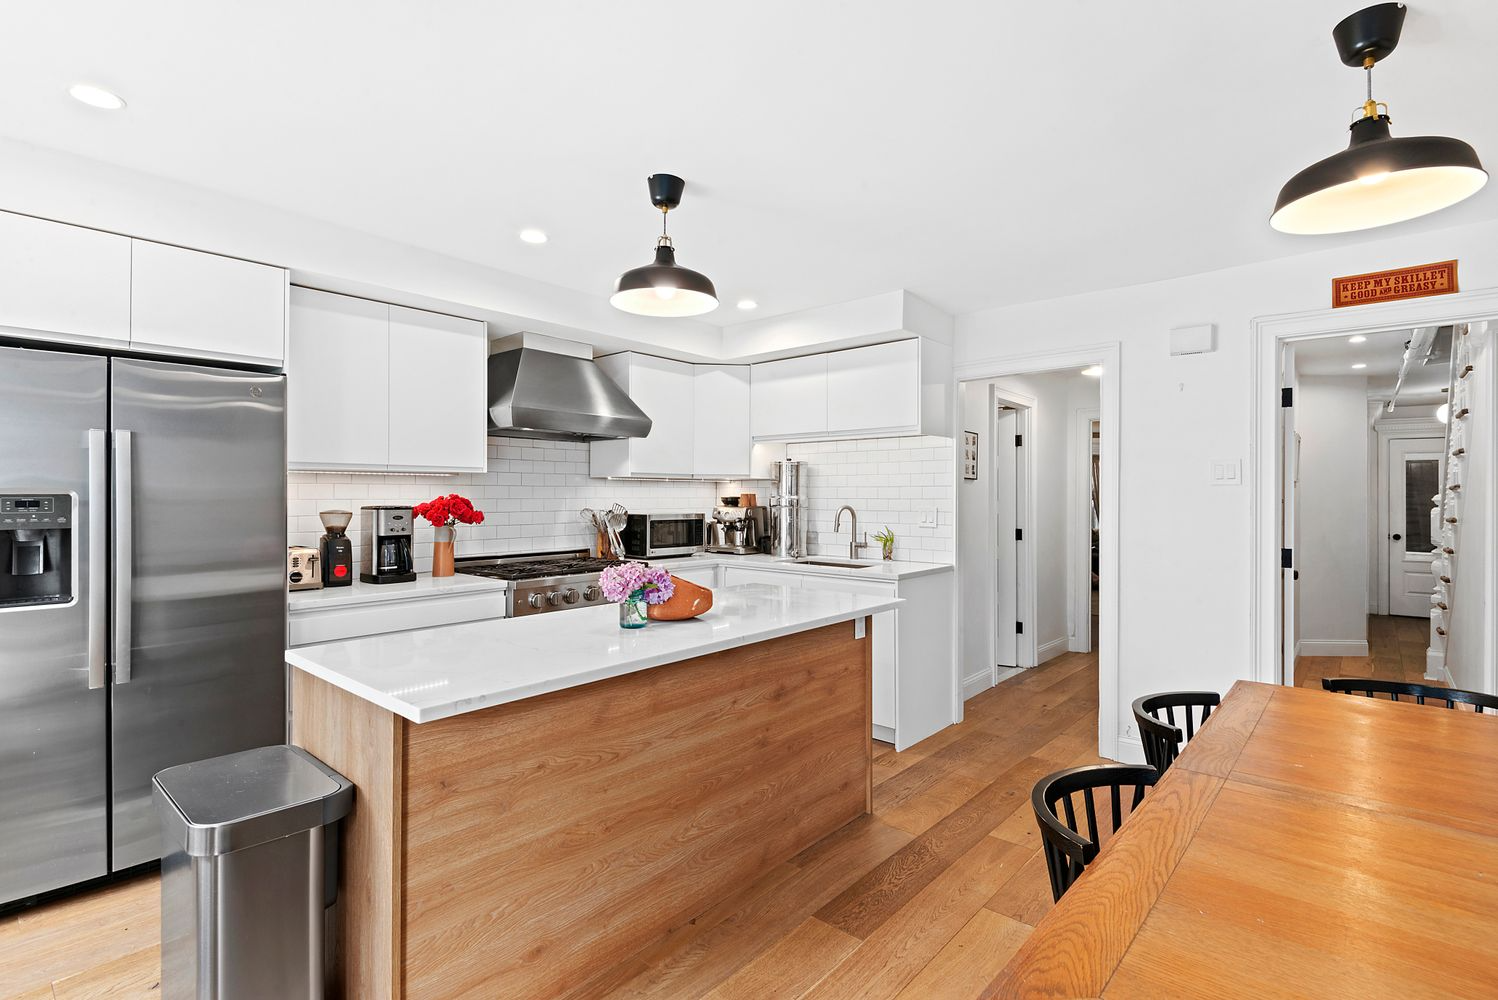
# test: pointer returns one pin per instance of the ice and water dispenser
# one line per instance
(36, 549)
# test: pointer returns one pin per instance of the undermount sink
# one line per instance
(839, 563)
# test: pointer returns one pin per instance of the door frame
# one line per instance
(1384, 432)
(1267, 335)
(1080, 535)
(1106, 354)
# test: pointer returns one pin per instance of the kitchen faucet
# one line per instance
(853, 543)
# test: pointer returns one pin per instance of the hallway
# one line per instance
(1397, 647)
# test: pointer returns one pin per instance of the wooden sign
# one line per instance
(1401, 283)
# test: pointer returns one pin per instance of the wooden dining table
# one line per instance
(1304, 844)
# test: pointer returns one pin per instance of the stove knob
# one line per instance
(553, 598)
(593, 592)
(570, 595)
(535, 600)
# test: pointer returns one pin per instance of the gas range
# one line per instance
(539, 582)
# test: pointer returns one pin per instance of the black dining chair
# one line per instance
(1161, 732)
(1068, 847)
(1369, 688)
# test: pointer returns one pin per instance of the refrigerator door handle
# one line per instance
(98, 577)
(123, 598)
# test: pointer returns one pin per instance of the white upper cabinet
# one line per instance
(202, 305)
(885, 390)
(789, 398)
(377, 387)
(438, 391)
(63, 283)
(337, 382)
(664, 390)
(721, 445)
(870, 389)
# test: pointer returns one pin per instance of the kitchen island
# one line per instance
(540, 798)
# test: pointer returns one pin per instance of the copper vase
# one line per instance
(442, 552)
(688, 600)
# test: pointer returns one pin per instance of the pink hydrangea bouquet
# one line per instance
(632, 580)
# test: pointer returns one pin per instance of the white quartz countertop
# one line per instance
(435, 673)
(359, 592)
(868, 569)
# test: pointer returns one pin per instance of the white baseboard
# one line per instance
(976, 684)
(1130, 750)
(884, 734)
(1050, 650)
(1332, 647)
(1436, 669)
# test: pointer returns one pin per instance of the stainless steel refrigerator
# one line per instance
(142, 596)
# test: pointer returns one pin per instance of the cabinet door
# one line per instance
(663, 389)
(201, 305)
(789, 398)
(438, 392)
(721, 442)
(734, 575)
(63, 283)
(702, 576)
(337, 382)
(874, 388)
(885, 644)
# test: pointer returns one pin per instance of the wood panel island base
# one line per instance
(522, 849)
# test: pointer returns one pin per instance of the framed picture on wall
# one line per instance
(969, 454)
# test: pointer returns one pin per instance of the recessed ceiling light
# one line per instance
(747, 304)
(1357, 339)
(532, 236)
(1094, 371)
(96, 97)
(1358, 366)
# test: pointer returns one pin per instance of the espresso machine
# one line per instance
(736, 531)
(787, 522)
(37, 565)
(386, 545)
(335, 552)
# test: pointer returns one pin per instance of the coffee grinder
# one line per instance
(386, 545)
(335, 552)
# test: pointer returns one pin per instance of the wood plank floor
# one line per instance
(1397, 653)
(927, 897)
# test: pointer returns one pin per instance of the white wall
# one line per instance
(977, 622)
(1470, 647)
(1184, 570)
(1331, 415)
(888, 481)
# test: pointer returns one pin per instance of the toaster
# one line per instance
(301, 568)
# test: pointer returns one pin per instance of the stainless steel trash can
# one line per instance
(249, 872)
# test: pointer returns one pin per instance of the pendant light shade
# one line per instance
(663, 287)
(1378, 179)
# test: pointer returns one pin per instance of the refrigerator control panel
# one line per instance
(37, 560)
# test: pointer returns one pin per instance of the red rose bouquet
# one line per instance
(445, 512)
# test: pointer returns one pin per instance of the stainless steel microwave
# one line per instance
(647, 536)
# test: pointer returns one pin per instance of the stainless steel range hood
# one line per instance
(540, 393)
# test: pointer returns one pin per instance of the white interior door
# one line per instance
(1414, 471)
(1006, 482)
(1289, 479)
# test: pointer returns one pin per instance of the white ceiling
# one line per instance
(1382, 353)
(975, 153)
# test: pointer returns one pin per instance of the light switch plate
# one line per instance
(1225, 472)
(928, 517)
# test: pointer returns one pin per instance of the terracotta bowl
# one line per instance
(688, 601)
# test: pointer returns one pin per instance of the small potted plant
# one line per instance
(445, 514)
(634, 586)
(886, 540)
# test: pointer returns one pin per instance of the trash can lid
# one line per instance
(229, 803)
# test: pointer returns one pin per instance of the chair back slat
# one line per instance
(1449, 697)
(1067, 850)
(1161, 735)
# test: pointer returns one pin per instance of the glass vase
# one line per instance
(632, 611)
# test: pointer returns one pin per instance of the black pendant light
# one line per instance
(1378, 179)
(664, 288)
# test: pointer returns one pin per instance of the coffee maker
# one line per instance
(38, 561)
(736, 531)
(386, 547)
(335, 552)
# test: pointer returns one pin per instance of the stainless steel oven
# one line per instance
(647, 536)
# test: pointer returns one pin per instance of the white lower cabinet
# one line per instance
(702, 576)
(734, 575)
